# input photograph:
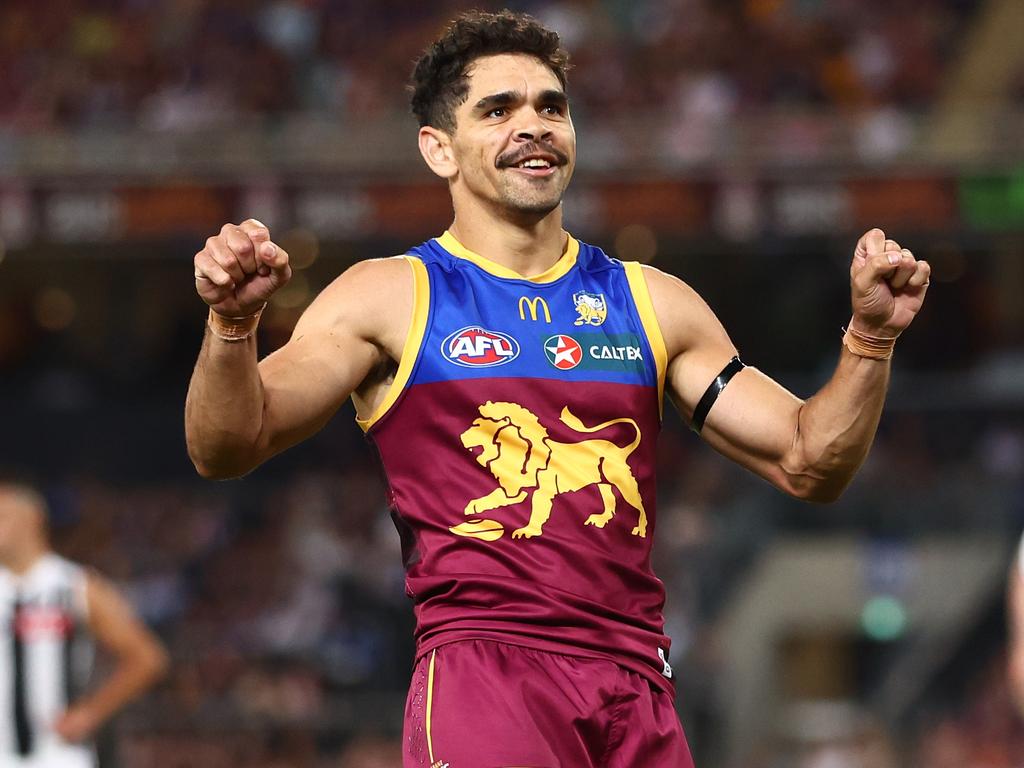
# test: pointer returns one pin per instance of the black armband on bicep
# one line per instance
(700, 413)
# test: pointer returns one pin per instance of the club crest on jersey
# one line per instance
(592, 308)
(563, 352)
(476, 347)
(514, 446)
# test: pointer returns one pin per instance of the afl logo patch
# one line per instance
(563, 352)
(475, 347)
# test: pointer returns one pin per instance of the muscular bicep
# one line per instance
(753, 419)
(753, 422)
(338, 342)
(307, 380)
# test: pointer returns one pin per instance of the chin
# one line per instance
(537, 209)
(534, 206)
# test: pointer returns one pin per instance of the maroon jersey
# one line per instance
(518, 440)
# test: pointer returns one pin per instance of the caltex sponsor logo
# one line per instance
(563, 352)
(607, 352)
(475, 347)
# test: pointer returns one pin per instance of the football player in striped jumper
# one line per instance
(54, 613)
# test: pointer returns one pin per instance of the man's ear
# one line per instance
(436, 148)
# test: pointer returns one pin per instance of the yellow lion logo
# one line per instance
(516, 449)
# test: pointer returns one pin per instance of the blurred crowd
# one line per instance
(186, 64)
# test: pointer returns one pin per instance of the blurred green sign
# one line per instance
(994, 201)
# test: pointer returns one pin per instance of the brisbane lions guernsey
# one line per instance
(518, 440)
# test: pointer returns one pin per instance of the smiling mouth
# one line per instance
(538, 159)
(535, 173)
(534, 167)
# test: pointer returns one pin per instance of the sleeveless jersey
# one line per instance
(46, 654)
(518, 441)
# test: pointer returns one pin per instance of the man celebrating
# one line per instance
(53, 610)
(512, 379)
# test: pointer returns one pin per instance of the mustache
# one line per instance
(533, 148)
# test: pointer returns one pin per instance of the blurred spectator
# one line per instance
(54, 612)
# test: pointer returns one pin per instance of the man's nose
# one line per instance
(532, 128)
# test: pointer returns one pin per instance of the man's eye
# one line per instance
(553, 109)
(497, 112)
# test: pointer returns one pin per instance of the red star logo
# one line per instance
(563, 352)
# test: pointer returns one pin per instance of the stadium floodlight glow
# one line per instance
(883, 618)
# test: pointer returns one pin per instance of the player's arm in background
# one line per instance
(239, 412)
(140, 660)
(810, 449)
(1015, 629)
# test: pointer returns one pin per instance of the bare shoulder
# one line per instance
(369, 283)
(684, 317)
(696, 343)
(367, 299)
(374, 274)
(668, 288)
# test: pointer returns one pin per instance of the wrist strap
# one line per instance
(871, 347)
(234, 328)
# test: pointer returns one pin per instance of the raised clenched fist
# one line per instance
(887, 285)
(240, 269)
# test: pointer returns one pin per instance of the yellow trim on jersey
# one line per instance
(430, 704)
(566, 262)
(644, 305)
(410, 352)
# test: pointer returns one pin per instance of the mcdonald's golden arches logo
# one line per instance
(536, 301)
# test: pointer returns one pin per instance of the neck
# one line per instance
(528, 244)
(20, 562)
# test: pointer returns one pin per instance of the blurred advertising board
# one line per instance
(92, 211)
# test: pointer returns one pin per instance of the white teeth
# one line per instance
(535, 163)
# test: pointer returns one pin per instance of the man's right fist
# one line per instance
(240, 269)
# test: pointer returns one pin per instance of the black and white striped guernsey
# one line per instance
(45, 658)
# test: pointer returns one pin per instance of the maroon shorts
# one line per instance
(485, 704)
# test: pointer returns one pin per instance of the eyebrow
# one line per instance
(504, 98)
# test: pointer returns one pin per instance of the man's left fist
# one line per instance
(887, 285)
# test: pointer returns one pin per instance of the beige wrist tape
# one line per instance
(234, 328)
(871, 347)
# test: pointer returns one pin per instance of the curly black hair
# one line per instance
(440, 78)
